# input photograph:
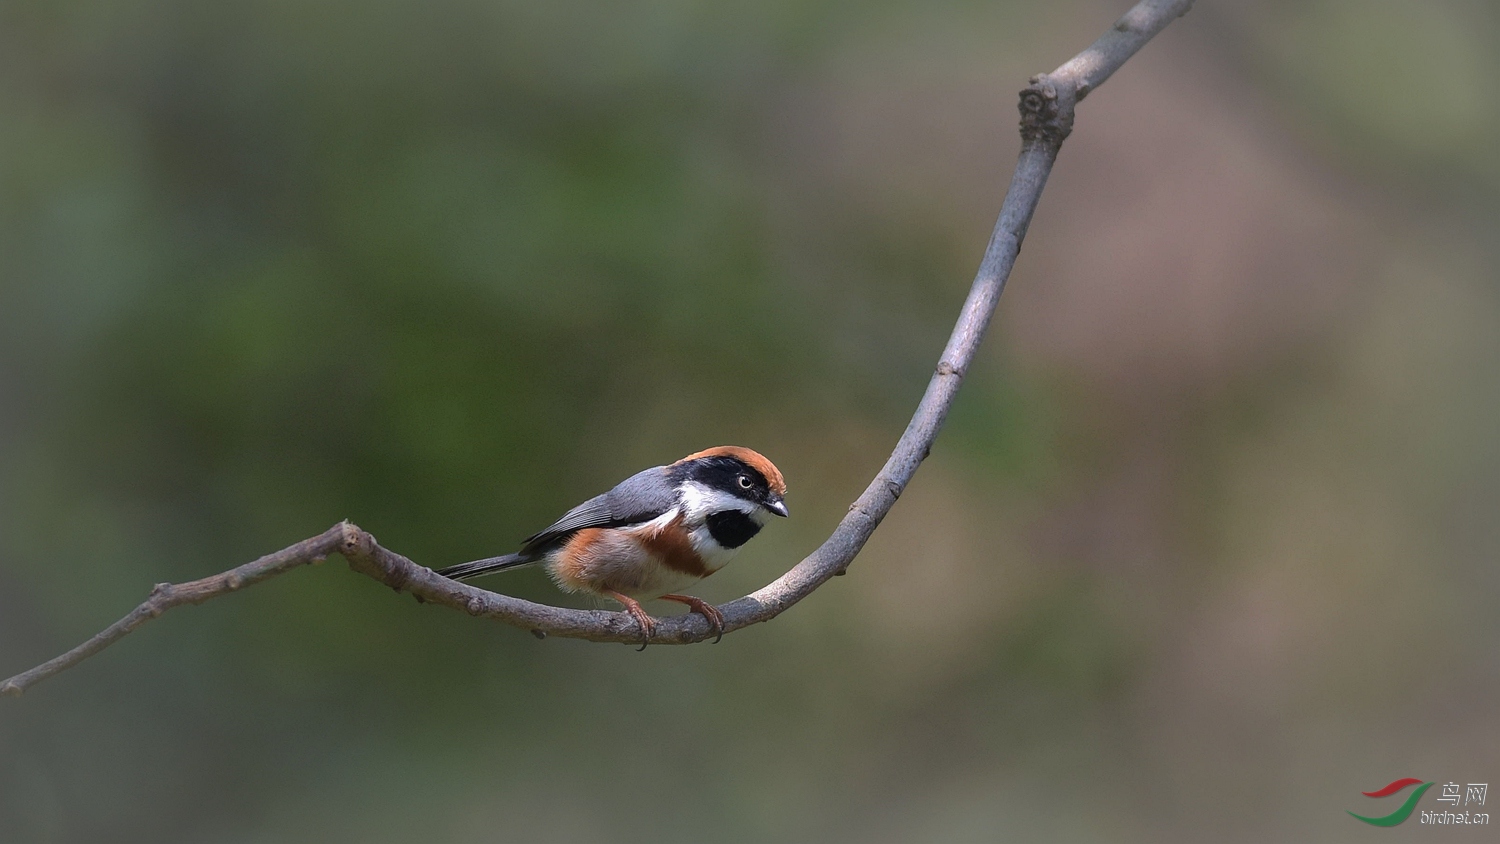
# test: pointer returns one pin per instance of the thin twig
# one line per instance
(1046, 106)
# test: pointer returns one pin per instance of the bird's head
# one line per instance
(731, 478)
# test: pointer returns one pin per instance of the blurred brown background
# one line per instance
(1208, 547)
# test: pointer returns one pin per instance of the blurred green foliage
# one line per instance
(446, 269)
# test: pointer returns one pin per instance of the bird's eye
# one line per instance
(744, 481)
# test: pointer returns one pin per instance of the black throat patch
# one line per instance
(731, 528)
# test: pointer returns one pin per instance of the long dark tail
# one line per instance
(464, 571)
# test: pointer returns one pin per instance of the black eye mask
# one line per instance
(724, 473)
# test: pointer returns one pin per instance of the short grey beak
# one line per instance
(776, 505)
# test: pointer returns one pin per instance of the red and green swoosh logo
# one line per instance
(1406, 809)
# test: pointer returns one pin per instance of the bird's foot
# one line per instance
(703, 608)
(638, 612)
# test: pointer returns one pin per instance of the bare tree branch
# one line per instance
(1046, 106)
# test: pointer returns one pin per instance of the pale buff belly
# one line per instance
(635, 563)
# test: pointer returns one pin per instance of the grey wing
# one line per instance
(642, 496)
(591, 513)
(639, 498)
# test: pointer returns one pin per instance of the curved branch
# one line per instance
(1046, 106)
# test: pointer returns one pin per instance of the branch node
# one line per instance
(234, 581)
(540, 634)
(1045, 116)
(474, 606)
(161, 590)
(949, 368)
(355, 543)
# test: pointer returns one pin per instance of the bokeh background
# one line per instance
(1208, 547)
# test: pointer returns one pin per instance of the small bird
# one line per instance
(658, 531)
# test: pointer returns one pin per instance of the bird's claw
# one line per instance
(638, 612)
(647, 624)
(709, 612)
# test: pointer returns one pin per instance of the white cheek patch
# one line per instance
(699, 500)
